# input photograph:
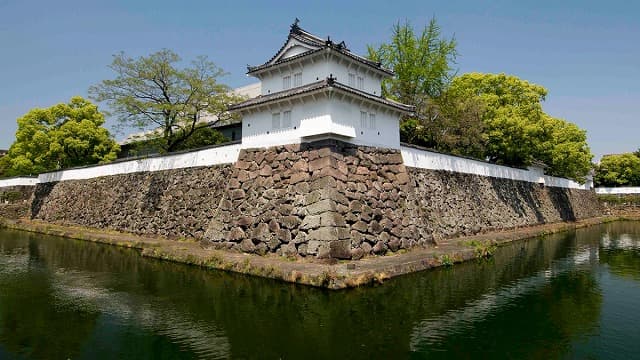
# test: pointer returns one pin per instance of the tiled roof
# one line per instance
(319, 86)
(306, 37)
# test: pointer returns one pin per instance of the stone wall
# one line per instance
(174, 203)
(321, 199)
(15, 194)
(326, 199)
(463, 204)
(14, 201)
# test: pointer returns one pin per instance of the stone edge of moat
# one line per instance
(334, 276)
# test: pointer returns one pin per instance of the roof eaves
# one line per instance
(319, 85)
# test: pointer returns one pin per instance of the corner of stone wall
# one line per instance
(327, 199)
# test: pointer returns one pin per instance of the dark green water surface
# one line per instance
(573, 295)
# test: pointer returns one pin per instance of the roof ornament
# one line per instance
(342, 45)
(294, 26)
(331, 79)
(329, 42)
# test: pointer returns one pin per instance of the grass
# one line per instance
(483, 249)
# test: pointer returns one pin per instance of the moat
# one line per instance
(569, 295)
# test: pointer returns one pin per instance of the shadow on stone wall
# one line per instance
(40, 196)
(519, 196)
(158, 184)
(562, 203)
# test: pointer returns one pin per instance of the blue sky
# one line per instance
(585, 53)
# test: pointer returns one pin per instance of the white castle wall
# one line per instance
(617, 190)
(206, 157)
(435, 161)
(319, 117)
(19, 181)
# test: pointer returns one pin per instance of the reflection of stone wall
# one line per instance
(323, 199)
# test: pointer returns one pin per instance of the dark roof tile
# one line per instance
(318, 86)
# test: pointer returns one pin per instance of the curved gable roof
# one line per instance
(300, 37)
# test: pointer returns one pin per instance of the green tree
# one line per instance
(153, 93)
(203, 136)
(563, 148)
(61, 136)
(4, 166)
(512, 114)
(422, 64)
(618, 170)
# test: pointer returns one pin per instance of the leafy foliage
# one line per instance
(154, 93)
(423, 64)
(61, 136)
(564, 149)
(512, 114)
(203, 136)
(618, 170)
(516, 129)
(489, 116)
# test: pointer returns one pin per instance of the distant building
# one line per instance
(3, 152)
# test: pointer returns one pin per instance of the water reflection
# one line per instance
(541, 298)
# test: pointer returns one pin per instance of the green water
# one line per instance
(574, 295)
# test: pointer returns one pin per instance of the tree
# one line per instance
(154, 93)
(564, 149)
(422, 64)
(451, 123)
(512, 114)
(203, 136)
(618, 170)
(4, 166)
(61, 136)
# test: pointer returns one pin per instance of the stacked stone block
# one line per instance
(324, 199)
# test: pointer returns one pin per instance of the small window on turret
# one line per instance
(286, 82)
(372, 121)
(275, 121)
(352, 80)
(361, 82)
(363, 119)
(286, 119)
(297, 79)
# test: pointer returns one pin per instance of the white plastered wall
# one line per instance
(423, 159)
(319, 117)
(618, 190)
(19, 181)
(319, 69)
(205, 157)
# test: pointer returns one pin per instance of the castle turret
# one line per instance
(314, 89)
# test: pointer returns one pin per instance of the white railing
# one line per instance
(618, 190)
(205, 157)
(424, 159)
(19, 181)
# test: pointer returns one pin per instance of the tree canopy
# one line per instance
(423, 64)
(61, 136)
(518, 131)
(618, 170)
(154, 93)
(496, 117)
